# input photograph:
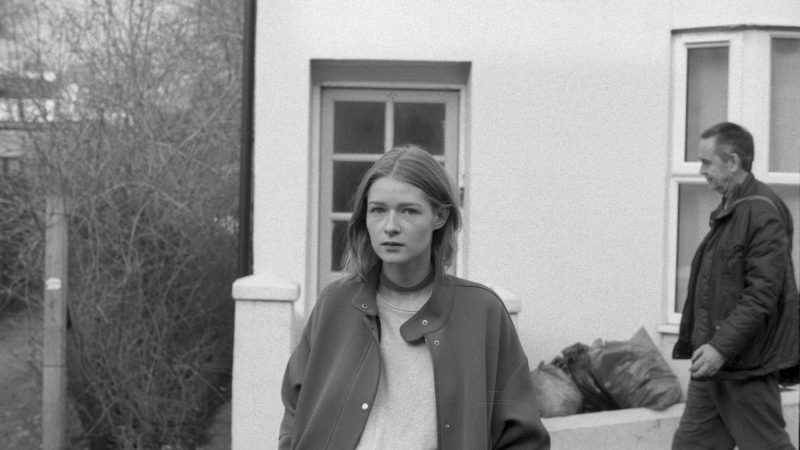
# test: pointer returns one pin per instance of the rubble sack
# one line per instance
(633, 373)
(576, 361)
(556, 393)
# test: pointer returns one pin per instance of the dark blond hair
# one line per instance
(415, 166)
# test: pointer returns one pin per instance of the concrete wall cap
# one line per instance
(265, 287)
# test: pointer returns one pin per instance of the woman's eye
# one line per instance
(376, 210)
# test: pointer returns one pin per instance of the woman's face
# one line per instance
(400, 222)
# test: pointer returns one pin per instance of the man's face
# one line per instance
(717, 171)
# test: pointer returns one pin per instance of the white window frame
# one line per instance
(313, 282)
(749, 80)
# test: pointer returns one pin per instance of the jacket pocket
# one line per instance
(755, 353)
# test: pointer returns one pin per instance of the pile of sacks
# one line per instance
(606, 376)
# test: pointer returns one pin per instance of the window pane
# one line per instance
(346, 176)
(358, 127)
(791, 196)
(421, 124)
(706, 94)
(695, 203)
(784, 152)
(338, 244)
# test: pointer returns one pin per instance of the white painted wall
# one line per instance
(568, 138)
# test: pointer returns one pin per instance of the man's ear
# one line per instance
(736, 161)
(441, 217)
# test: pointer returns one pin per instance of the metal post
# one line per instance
(54, 379)
(245, 238)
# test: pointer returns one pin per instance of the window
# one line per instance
(748, 75)
(357, 126)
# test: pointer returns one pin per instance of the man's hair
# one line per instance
(415, 166)
(732, 138)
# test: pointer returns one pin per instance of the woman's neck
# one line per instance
(403, 278)
(396, 285)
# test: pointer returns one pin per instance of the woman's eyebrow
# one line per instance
(380, 202)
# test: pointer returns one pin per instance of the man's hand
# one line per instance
(706, 361)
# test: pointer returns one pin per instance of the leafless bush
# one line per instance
(152, 326)
(142, 140)
(21, 243)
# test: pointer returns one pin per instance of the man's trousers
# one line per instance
(721, 414)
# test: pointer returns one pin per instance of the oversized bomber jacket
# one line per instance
(751, 291)
(484, 395)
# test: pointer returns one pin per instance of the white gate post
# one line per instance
(261, 348)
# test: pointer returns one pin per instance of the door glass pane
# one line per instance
(695, 203)
(346, 176)
(338, 244)
(784, 152)
(358, 127)
(421, 124)
(706, 94)
(791, 196)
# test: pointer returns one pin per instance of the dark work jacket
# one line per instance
(484, 395)
(751, 292)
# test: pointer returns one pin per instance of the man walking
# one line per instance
(740, 320)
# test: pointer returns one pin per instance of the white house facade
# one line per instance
(570, 129)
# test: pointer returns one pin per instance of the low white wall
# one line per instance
(637, 428)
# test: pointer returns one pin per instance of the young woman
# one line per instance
(399, 354)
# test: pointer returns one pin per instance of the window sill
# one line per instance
(669, 329)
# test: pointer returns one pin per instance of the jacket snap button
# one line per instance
(424, 322)
(436, 342)
(447, 427)
(364, 407)
(365, 306)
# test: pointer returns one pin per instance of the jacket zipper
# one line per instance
(712, 270)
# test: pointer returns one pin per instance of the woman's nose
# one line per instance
(391, 226)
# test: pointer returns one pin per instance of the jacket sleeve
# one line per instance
(764, 267)
(290, 390)
(515, 421)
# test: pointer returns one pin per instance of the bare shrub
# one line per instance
(152, 327)
(143, 141)
(21, 243)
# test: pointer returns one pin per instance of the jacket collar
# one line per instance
(365, 298)
(740, 190)
(430, 318)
